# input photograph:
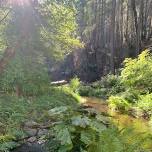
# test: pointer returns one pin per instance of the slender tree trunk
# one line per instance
(133, 4)
(113, 12)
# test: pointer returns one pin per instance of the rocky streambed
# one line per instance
(34, 141)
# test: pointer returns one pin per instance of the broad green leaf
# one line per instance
(81, 121)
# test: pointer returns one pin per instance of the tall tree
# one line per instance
(113, 12)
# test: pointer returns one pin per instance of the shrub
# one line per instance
(136, 76)
(92, 92)
(85, 90)
(74, 84)
(137, 73)
(100, 92)
(119, 103)
(145, 103)
(131, 95)
(107, 81)
(140, 105)
(107, 86)
(111, 80)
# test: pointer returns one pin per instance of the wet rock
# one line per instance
(42, 132)
(32, 139)
(31, 124)
(30, 128)
(30, 132)
(41, 141)
(29, 148)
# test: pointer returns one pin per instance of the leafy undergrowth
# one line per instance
(129, 92)
(136, 76)
(15, 111)
(85, 130)
(107, 86)
(70, 127)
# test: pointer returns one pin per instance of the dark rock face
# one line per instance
(88, 65)
(29, 148)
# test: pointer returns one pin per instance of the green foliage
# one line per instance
(67, 89)
(136, 77)
(110, 80)
(74, 129)
(55, 36)
(81, 130)
(23, 74)
(27, 66)
(74, 84)
(131, 95)
(15, 111)
(150, 122)
(140, 105)
(145, 103)
(108, 85)
(6, 143)
(60, 36)
(113, 140)
(137, 73)
(119, 103)
(85, 90)
(92, 92)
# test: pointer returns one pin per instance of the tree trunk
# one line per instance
(113, 12)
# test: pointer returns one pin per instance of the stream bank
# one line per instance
(136, 128)
(124, 122)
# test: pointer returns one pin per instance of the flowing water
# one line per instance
(137, 129)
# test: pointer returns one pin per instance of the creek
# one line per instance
(137, 129)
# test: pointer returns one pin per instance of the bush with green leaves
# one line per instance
(110, 80)
(137, 73)
(85, 90)
(119, 103)
(131, 95)
(108, 85)
(74, 84)
(136, 76)
(145, 103)
(132, 101)
(89, 91)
